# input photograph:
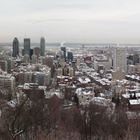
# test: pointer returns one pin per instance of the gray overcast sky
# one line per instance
(71, 20)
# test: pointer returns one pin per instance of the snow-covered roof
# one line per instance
(52, 93)
(84, 91)
(12, 104)
(84, 80)
(127, 95)
(134, 102)
(101, 101)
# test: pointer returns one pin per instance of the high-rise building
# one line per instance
(27, 46)
(70, 56)
(15, 47)
(42, 46)
(10, 65)
(63, 49)
(31, 53)
(119, 59)
(3, 65)
(36, 51)
(8, 82)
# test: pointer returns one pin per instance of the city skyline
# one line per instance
(69, 70)
(71, 21)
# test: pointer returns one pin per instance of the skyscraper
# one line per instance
(42, 46)
(70, 56)
(119, 59)
(27, 46)
(15, 47)
(63, 49)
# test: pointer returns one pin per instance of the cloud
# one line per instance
(70, 19)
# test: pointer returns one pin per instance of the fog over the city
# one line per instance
(71, 20)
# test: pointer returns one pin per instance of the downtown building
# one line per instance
(42, 46)
(15, 48)
(27, 46)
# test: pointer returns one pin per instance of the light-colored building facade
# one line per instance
(119, 59)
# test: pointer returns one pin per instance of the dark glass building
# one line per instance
(15, 47)
(42, 46)
(70, 56)
(27, 46)
(63, 49)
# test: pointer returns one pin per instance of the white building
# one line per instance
(119, 59)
